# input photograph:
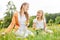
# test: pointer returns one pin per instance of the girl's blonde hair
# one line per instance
(42, 17)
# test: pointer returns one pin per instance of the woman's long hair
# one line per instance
(26, 13)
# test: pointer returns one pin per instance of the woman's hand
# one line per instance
(27, 23)
(3, 33)
(16, 28)
(34, 28)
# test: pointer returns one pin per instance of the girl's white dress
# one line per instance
(22, 31)
(39, 24)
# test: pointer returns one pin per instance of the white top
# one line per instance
(22, 31)
(22, 20)
(39, 24)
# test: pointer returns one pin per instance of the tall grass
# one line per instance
(41, 36)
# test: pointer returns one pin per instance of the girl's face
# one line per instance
(39, 14)
(26, 7)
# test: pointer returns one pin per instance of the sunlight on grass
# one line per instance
(41, 36)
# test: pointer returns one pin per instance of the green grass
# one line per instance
(41, 36)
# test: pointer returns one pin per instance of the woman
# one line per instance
(20, 21)
(39, 23)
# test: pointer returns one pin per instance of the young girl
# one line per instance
(20, 21)
(39, 23)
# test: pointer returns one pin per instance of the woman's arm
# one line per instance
(16, 28)
(11, 25)
(27, 22)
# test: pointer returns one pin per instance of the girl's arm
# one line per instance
(34, 26)
(44, 22)
(44, 25)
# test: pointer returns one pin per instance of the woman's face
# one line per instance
(39, 14)
(26, 7)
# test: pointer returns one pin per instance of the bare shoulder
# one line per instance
(15, 13)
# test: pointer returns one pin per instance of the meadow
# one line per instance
(41, 36)
(52, 19)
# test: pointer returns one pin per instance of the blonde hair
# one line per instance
(42, 17)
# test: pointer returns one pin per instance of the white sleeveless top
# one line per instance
(39, 24)
(22, 20)
(22, 31)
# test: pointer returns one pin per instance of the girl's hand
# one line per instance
(45, 28)
(49, 31)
